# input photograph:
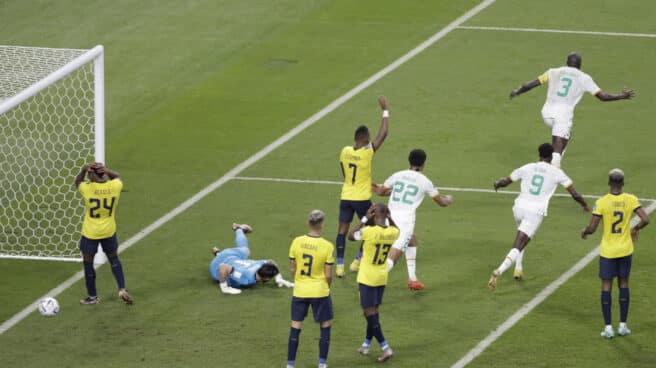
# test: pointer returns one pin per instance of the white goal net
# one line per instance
(51, 123)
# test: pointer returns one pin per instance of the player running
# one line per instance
(355, 162)
(372, 275)
(311, 262)
(234, 271)
(539, 182)
(567, 84)
(615, 209)
(407, 189)
(101, 194)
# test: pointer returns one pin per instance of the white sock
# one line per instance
(390, 265)
(518, 261)
(510, 258)
(622, 324)
(411, 261)
(556, 158)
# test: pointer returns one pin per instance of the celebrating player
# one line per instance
(407, 189)
(355, 162)
(311, 262)
(539, 182)
(372, 275)
(615, 209)
(233, 270)
(101, 194)
(566, 87)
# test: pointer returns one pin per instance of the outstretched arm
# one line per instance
(626, 94)
(502, 183)
(592, 227)
(384, 124)
(525, 88)
(577, 197)
(381, 190)
(443, 201)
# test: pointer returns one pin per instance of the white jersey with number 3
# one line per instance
(566, 87)
(539, 182)
(408, 190)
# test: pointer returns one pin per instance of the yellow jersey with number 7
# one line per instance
(100, 201)
(356, 168)
(376, 244)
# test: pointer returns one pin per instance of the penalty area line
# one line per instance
(566, 31)
(262, 153)
(533, 303)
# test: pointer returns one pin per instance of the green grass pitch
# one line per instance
(195, 88)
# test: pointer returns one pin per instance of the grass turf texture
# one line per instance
(184, 107)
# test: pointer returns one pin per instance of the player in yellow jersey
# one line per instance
(615, 210)
(101, 193)
(377, 241)
(311, 262)
(355, 162)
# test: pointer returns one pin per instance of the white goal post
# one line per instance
(52, 121)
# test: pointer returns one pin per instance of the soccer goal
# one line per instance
(51, 123)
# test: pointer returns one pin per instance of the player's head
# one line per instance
(417, 158)
(381, 212)
(616, 178)
(574, 60)
(96, 172)
(315, 219)
(546, 152)
(362, 134)
(268, 271)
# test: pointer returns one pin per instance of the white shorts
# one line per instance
(561, 125)
(527, 221)
(405, 234)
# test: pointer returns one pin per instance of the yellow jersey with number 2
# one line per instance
(377, 242)
(356, 167)
(615, 212)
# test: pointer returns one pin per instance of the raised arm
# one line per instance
(525, 88)
(79, 178)
(577, 197)
(502, 183)
(626, 94)
(356, 228)
(384, 124)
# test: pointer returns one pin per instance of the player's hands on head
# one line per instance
(371, 211)
(383, 102)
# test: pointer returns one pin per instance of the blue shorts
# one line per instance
(90, 246)
(371, 296)
(347, 208)
(322, 308)
(609, 268)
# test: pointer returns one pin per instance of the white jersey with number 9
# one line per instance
(539, 182)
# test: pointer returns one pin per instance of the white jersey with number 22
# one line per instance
(539, 182)
(408, 190)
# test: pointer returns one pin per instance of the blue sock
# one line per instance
(605, 306)
(240, 238)
(340, 244)
(624, 304)
(117, 270)
(376, 330)
(324, 344)
(292, 345)
(359, 256)
(90, 278)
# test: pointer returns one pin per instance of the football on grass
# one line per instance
(49, 307)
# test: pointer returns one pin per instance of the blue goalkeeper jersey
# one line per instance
(227, 256)
(243, 272)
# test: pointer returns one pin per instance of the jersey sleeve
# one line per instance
(389, 182)
(330, 257)
(357, 235)
(292, 249)
(597, 208)
(517, 174)
(544, 77)
(635, 204)
(430, 189)
(83, 188)
(564, 180)
(590, 86)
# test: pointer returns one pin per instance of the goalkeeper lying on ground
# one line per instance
(233, 270)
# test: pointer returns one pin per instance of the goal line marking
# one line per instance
(260, 154)
(441, 188)
(567, 31)
(539, 298)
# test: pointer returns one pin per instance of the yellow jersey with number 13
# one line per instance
(100, 201)
(616, 212)
(377, 242)
(356, 167)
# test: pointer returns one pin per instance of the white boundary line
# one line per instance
(260, 154)
(593, 33)
(528, 307)
(449, 189)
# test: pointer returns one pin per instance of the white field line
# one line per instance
(448, 189)
(260, 154)
(539, 30)
(528, 307)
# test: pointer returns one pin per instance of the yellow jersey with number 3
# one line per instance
(100, 201)
(377, 242)
(356, 167)
(311, 255)
(616, 212)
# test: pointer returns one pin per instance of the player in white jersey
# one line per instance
(567, 85)
(539, 182)
(407, 190)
